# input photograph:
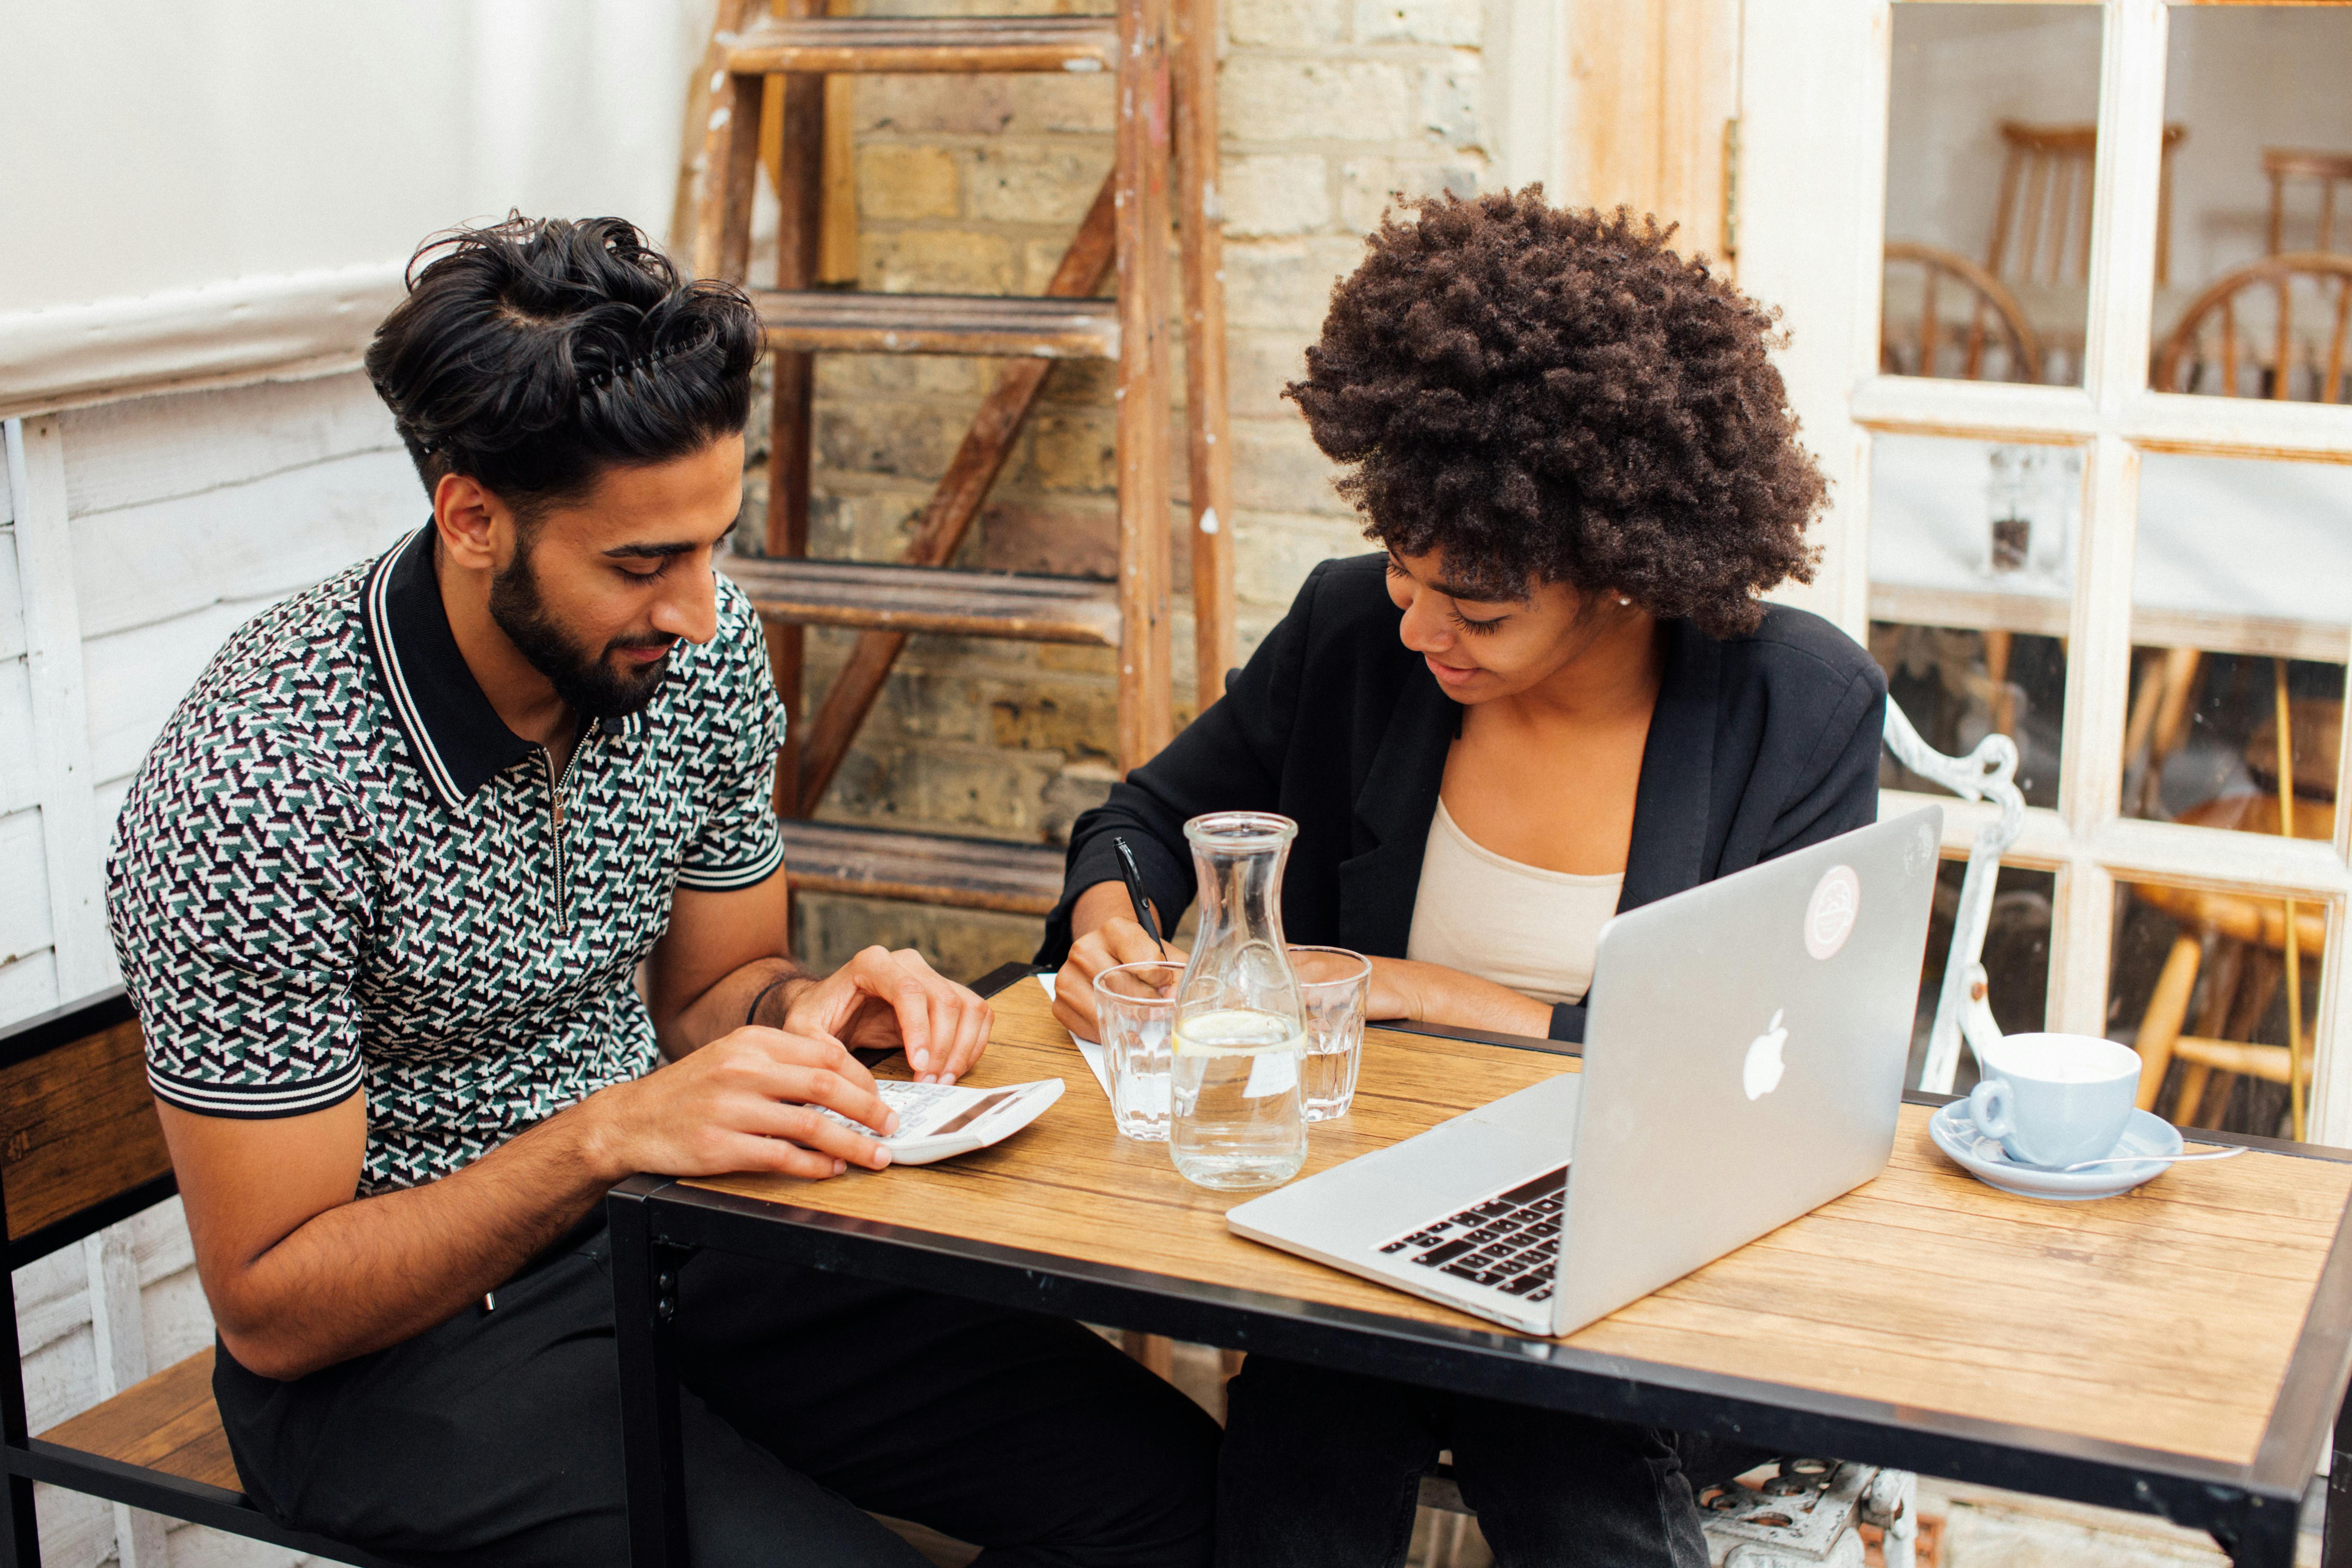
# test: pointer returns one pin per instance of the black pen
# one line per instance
(1129, 873)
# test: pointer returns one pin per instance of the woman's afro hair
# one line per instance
(1555, 396)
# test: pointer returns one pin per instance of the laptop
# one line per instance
(1744, 1060)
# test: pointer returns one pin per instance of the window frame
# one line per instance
(1814, 99)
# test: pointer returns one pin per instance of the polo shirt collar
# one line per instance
(457, 738)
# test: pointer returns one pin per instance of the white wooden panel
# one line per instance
(53, 1330)
(77, 1532)
(19, 781)
(195, 1546)
(52, 1302)
(287, 325)
(179, 1321)
(159, 1236)
(61, 727)
(28, 986)
(137, 565)
(108, 798)
(12, 598)
(60, 1380)
(135, 678)
(25, 872)
(58, 1383)
(152, 448)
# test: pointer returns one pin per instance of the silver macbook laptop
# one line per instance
(1743, 1064)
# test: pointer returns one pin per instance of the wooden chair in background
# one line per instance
(1994, 319)
(2042, 226)
(2327, 169)
(2243, 946)
(2207, 335)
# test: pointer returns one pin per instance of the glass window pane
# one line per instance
(2254, 253)
(2016, 959)
(2199, 981)
(1971, 573)
(1991, 137)
(2240, 609)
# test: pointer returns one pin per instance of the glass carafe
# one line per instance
(1238, 1120)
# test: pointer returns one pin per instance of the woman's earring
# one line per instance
(1624, 600)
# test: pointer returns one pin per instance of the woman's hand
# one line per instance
(1433, 994)
(1105, 940)
(1395, 991)
(1401, 988)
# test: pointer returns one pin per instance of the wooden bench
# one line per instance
(80, 1149)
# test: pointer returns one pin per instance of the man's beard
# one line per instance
(589, 683)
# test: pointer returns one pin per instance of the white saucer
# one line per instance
(1957, 1137)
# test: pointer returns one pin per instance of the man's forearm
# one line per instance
(373, 1272)
(770, 984)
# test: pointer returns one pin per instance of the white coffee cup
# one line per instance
(2052, 1100)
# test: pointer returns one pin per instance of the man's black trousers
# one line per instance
(495, 1439)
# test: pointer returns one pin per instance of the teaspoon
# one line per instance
(2163, 1159)
(1990, 1149)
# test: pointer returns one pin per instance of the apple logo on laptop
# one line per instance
(1760, 1075)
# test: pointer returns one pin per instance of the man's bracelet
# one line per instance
(752, 1016)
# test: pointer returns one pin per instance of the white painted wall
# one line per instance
(210, 187)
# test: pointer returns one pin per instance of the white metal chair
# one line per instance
(1986, 773)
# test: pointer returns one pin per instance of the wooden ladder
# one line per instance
(1125, 232)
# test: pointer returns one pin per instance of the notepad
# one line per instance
(1097, 1059)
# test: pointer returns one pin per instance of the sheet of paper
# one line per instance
(1096, 1060)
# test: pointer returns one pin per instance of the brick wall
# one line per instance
(974, 185)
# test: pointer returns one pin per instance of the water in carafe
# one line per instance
(1238, 1120)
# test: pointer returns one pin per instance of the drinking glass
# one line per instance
(1135, 1007)
(1335, 986)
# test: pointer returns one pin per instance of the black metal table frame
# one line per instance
(2251, 1511)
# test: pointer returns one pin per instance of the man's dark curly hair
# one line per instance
(1554, 396)
(534, 354)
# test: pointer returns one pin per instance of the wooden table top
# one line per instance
(2162, 1319)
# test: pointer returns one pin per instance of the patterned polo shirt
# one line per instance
(337, 871)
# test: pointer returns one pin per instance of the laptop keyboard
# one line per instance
(1510, 1242)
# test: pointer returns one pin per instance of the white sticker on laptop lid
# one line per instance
(1830, 914)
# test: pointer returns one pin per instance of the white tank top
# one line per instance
(1517, 925)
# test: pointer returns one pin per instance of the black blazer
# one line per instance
(1759, 744)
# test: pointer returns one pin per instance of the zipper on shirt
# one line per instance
(555, 784)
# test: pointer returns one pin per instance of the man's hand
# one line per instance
(747, 1101)
(1117, 941)
(301, 1276)
(879, 999)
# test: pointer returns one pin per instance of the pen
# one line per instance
(1133, 876)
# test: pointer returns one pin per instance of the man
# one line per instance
(382, 892)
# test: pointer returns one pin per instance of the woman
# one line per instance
(1554, 695)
